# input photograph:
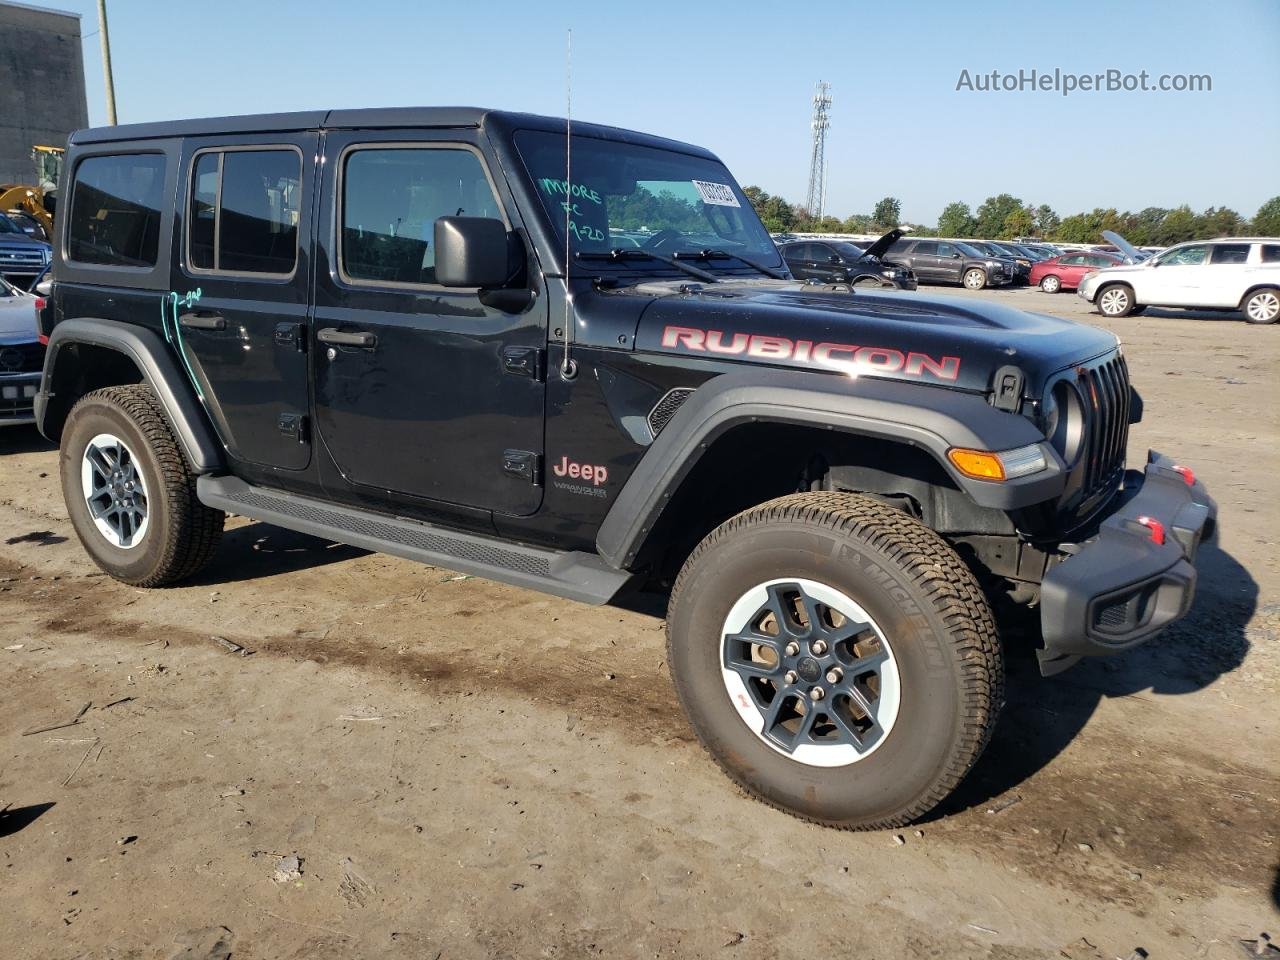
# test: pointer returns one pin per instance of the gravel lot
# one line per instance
(472, 770)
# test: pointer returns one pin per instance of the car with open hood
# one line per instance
(1231, 273)
(842, 261)
(419, 331)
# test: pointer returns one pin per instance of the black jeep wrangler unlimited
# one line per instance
(441, 334)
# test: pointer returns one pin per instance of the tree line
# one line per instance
(1005, 217)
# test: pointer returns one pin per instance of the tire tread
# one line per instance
(194, 530)
(950, 587)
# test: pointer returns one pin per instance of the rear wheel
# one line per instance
(836, 658)
(975, 279)
(1050, 284)
(1262, 306)
(1115, 300)
(129, 492)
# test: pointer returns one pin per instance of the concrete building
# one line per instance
(42, 95)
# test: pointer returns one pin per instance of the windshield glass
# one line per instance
(847, 250)
(7, 225)
(631, 197)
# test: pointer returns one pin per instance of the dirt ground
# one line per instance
(470, 770)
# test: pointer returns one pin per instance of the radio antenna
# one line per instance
(568, 368)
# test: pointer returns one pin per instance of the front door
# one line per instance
(245, 206)
(420, 389)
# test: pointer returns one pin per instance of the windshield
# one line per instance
(631, 197)
(848, 250)
(8, 226)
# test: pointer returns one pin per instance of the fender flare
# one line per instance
(159, 370)
(931, 418)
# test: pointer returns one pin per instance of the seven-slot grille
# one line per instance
(1104, 391)
(14, 257)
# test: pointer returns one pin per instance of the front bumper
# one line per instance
(17, 398)
(1121, 587)
(1086, 290)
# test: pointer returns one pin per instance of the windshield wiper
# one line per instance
(726, 255)
(621, 254)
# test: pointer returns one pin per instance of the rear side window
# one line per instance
(1230, 253)
(243, 211)
(115, 210)
(391, 199)
(1271, 253)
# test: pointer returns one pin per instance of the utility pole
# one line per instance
(817, 200)
(106, 62)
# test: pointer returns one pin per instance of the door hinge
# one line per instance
(290, 335)
(1006, 393)
(523, 362)
(294, 426)
(524, 464)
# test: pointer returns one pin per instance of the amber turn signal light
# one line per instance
(978, 464)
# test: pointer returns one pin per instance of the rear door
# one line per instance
(245, 203)
(1227, 274)
(421, 390)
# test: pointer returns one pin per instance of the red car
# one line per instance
(1064, 272)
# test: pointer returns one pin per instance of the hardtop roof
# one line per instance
(370, 118)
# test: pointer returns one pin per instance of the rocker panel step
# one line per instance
(574, 575)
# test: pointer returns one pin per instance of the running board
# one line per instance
(574, 575)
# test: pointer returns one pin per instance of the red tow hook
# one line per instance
(1156, 529)
(1186, 473)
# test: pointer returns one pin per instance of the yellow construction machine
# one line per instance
(38, 200)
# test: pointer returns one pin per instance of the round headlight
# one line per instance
(1064, 421)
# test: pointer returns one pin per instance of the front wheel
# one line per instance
(1262, 306)
(1115, 301)
(1050, 284)
(975, 279)
(130, 493)
(836, 658)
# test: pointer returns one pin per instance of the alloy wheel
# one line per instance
(810, 672)
(114, 491)
(1113, 301)
(1263, 307)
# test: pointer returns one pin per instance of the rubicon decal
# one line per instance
(846, 357)
(591, 473)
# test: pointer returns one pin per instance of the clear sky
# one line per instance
(739, 78)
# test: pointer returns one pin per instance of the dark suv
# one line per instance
(839, 261)
(411, 331)
(950, 261)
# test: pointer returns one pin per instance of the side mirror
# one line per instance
(833, 259)
(955, 256)
(44, 288)
(472, 252)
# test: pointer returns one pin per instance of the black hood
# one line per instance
(878, 249)
(944, 341)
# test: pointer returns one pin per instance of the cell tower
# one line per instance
(817, 201)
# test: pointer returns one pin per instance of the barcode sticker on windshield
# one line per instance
(718, 194)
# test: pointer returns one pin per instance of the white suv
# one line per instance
(1239, 273)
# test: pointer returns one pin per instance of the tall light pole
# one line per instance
(106, 62)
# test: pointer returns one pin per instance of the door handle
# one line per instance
(203, 321)
(341, 338)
